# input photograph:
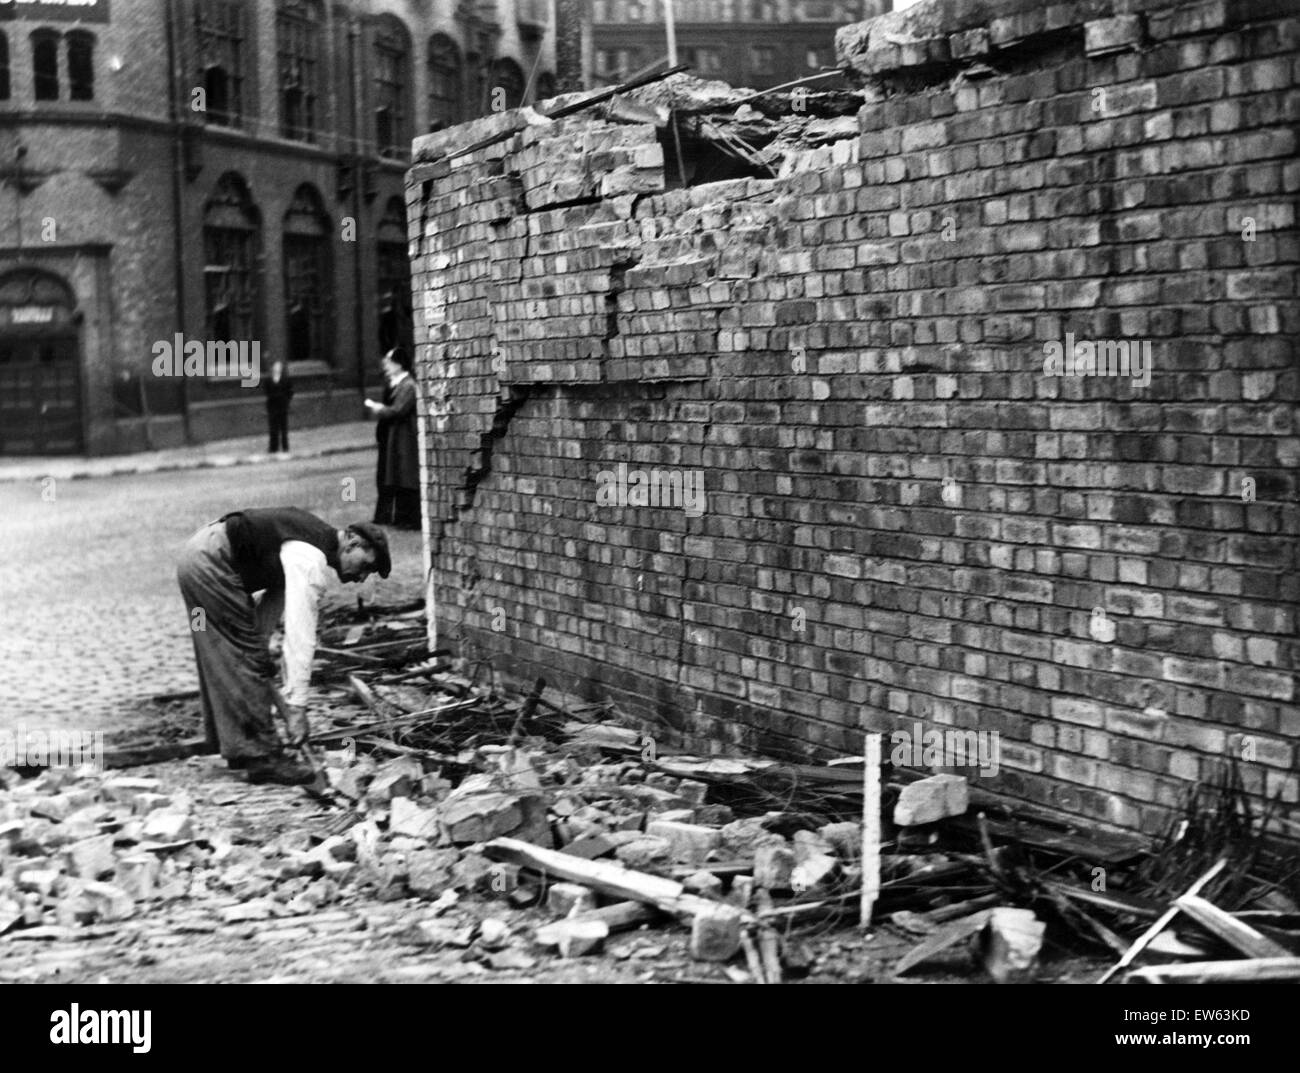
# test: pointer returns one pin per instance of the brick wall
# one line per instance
(907, 520)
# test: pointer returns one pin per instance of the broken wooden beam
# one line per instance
(1257, 970)
(604, 877)
(961, 909)
(360, 657)
(952, 933)
(1234, 932)
(1113, 901)
(616, 917)
(1162, 922)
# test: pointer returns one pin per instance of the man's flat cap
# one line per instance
(374, 536)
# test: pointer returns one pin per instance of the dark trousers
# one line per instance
(277, 422)
(398, 507)
(230, 649)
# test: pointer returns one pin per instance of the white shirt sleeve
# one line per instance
(304, 582)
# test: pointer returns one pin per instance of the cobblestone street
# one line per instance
(92, 621)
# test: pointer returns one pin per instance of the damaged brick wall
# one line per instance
(907, 520)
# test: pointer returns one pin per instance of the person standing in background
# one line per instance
(279, 390)
(398, 471)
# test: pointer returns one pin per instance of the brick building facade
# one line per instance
(911, 515)
(227, 170)
(758, 43)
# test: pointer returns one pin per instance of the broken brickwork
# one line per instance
(907, 521)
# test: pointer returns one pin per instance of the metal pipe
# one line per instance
(178, 200)
(359, 320)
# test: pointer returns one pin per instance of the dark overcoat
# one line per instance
(399, 450)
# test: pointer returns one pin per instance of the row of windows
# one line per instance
(620, 12)
(78, 50)
(458, 89)
(621, 63)
(232, 243)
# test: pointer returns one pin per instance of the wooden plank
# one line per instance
(404, 640)
(1114, 901)
(961, 909)
(1075, 915)
(1234, 932)
(1104, 847)
(1257, 970)
(397, 722)
(947, 936)
(752, 959)
(717, 868)
(769, 950)
(605, 877)
(137, 754)
(870, 828)
(769, 946)
(617, 917)
(1162, 922)
(358, 656)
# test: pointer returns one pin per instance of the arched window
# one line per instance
(45, 64)
(231, 241)
(392, 87)
(308, 284)
(445, 90)
(507, 77)
(81, 65)
(395, 325)
(4, 67)
(298, 44)
(220, 32)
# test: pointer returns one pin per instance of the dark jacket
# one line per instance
(278, 394)
(399, 451)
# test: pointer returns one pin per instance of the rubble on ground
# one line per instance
(519, 831)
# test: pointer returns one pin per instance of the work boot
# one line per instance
(280, 769)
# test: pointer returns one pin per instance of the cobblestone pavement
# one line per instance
(91, 620)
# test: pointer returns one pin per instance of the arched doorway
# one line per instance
(40, 365)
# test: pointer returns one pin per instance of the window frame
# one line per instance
(77, 39)
(299, 32)
(43, 37)
(231, 197)
(305, 248)
(221, 29)
(391, 49)
(453, 75)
